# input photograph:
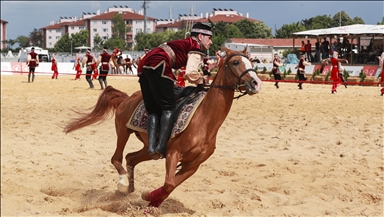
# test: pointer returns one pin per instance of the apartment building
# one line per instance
(3, 33)
(98, 24)
(228, 16)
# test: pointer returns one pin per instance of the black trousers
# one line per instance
(157, 91)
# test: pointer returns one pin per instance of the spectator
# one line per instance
(325, 49)
(308, 48)
(317, 50)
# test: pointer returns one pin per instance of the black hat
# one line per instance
(33, 48)
(88, 50)
(203, 28)
(105, 47)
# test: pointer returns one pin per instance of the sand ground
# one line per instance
(283, 152)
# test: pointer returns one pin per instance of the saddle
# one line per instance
(188, 100)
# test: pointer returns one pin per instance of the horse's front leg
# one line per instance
(133, 159)
(157, 196)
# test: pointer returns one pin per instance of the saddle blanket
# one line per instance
(138, 120)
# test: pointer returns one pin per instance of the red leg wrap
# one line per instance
(157, 194)
(156, 203)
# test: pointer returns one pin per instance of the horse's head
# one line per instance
(238, 68)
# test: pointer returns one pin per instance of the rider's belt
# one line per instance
(170, 53)
(104, 63)
(90, 63)
(32, 60)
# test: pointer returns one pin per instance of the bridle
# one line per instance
(236, 85)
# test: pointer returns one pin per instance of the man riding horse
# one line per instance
(157, 81)
(117, 52)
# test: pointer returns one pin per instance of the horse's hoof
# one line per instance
(122, 187)
(145, 195)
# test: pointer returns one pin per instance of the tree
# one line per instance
(23, 41)
(321, 22)
(119, 27)
(36, 38)
(64, 43)
(98, 42)
(342, 19)
(287, 29)
(253, 29)
(115, 42)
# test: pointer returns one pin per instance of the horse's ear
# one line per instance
(245, 50)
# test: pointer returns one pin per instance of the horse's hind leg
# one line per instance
(133, 159)
(117, 159)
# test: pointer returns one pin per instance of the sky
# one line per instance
(24, 16)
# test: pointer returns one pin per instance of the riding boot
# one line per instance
(300, 87)
(152, 126)
(166, 126)
(29, 78)
(101, 84)
(33, 77)
(90, 82)
(105, 82)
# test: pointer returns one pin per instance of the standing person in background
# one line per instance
(335, 76)
(77, 67)
(325, 49)
(302, 48)
(301, 70)
(276, 70)
(317, 51)
(88, 61)
(32, 62)
(157, 82)
(128, 65)
(54, 67)
(104, 59)
(308, 51)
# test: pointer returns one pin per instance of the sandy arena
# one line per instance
(283, 152)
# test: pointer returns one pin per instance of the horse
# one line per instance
(190, 148)
(116, 65)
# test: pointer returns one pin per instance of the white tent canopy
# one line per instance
(356, 29)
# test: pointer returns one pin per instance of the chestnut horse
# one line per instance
(116, 65)
(191, 147)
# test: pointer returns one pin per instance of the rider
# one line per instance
(157, 81)
(117, 52)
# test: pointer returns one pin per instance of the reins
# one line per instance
(235, 86)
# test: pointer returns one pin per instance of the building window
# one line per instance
(138, 30)
(149, 30)
(57, 37)
(94, 22)
(50, 43)
(81, 28)
(149, 22)
(139, 22)
(128, 22)
(104, 22)
(58, 30)
(105, 30)
(105, 37)
(50, 31)
(49, 37)
(94, 30)
(72, 27)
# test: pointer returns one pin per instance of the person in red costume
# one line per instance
(335, 76)
(88, 61)
(32, 62)
(301, 70)
(157, 79)
(54, 67)
(77, 67)
(104, 59)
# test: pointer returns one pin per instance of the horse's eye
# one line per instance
(236, 62)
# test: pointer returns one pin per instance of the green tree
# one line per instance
(36, 38)
(253, 29)
(119, 28)
(64, 43)
(342, 19)
(98, 42)
(23, 41)
(287, 29)
(115, 42)
(321, 22)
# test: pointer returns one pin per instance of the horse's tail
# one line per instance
(108, 101)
